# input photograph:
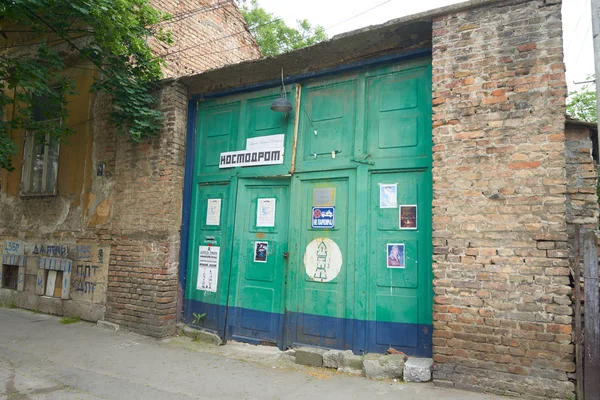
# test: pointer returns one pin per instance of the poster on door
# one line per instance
(388, 195)
(208, 268)
(395, 255)
(213, 212)
(265, 213)
(408, 217)
(260, 252)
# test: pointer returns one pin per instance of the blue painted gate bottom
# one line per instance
(360, 335)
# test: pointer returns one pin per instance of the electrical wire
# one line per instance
(190, 13)
(218, 39)
(583, 41)
(358, 15)
(66, 39)
(47, 41)
(583, 10)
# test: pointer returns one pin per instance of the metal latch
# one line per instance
(363, 161)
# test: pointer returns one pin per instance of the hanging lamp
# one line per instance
(281, 104)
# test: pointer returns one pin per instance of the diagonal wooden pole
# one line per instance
(592, 317)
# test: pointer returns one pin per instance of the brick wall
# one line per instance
(582, 202)
(132, 211)
(146, 217)
(206, 34)
(502, 314)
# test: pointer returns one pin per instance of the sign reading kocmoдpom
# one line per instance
(248, 158)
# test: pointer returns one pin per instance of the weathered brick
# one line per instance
(503, 204)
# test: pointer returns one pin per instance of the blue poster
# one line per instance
(322, 217)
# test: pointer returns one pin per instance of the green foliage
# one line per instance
(8, 304)
(198, 318)
(274, 36)
(110, 35)
(69, 320)
(581, 104)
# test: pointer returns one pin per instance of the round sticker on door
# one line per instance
(322, 260)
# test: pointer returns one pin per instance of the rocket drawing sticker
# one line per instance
(322, 260)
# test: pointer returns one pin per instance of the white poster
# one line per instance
(388, 195)
(265, 213)
(213, 212)
(208, 268)
(271, 142)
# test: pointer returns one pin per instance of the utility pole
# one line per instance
(591, 379)
(596, 36)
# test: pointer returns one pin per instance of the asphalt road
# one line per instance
(40, 358)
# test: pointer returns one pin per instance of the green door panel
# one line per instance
(227, 123)
(330, 110)
(398, 114)
(256, 295)
(203, 235)
(400, 295)
(308, 297)
(261, 121)
(218, 128)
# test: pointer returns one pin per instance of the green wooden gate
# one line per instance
(343, 258)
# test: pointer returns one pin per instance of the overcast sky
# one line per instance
(339, 16)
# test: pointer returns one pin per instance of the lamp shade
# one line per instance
(281, 104)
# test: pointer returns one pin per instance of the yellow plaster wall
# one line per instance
(75, 159)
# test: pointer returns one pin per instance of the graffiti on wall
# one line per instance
(76, 252)
(84, 267)
(85, 278)
(13, 248)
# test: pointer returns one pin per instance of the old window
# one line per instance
(40, 158)
(54, 283)
(10, 275)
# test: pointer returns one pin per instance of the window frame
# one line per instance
(27, 167)
(5, 268)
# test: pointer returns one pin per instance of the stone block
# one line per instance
(189, 332)
(209, 337)
(418, 369)
(108, 325)
(381, 366)
(29, 301)
(350, 363)
(310, 356)
(333, 358)
(351, 371)
(202, 335)
(51, 305)
(84, 310)
(9, 297)
(288, 356)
